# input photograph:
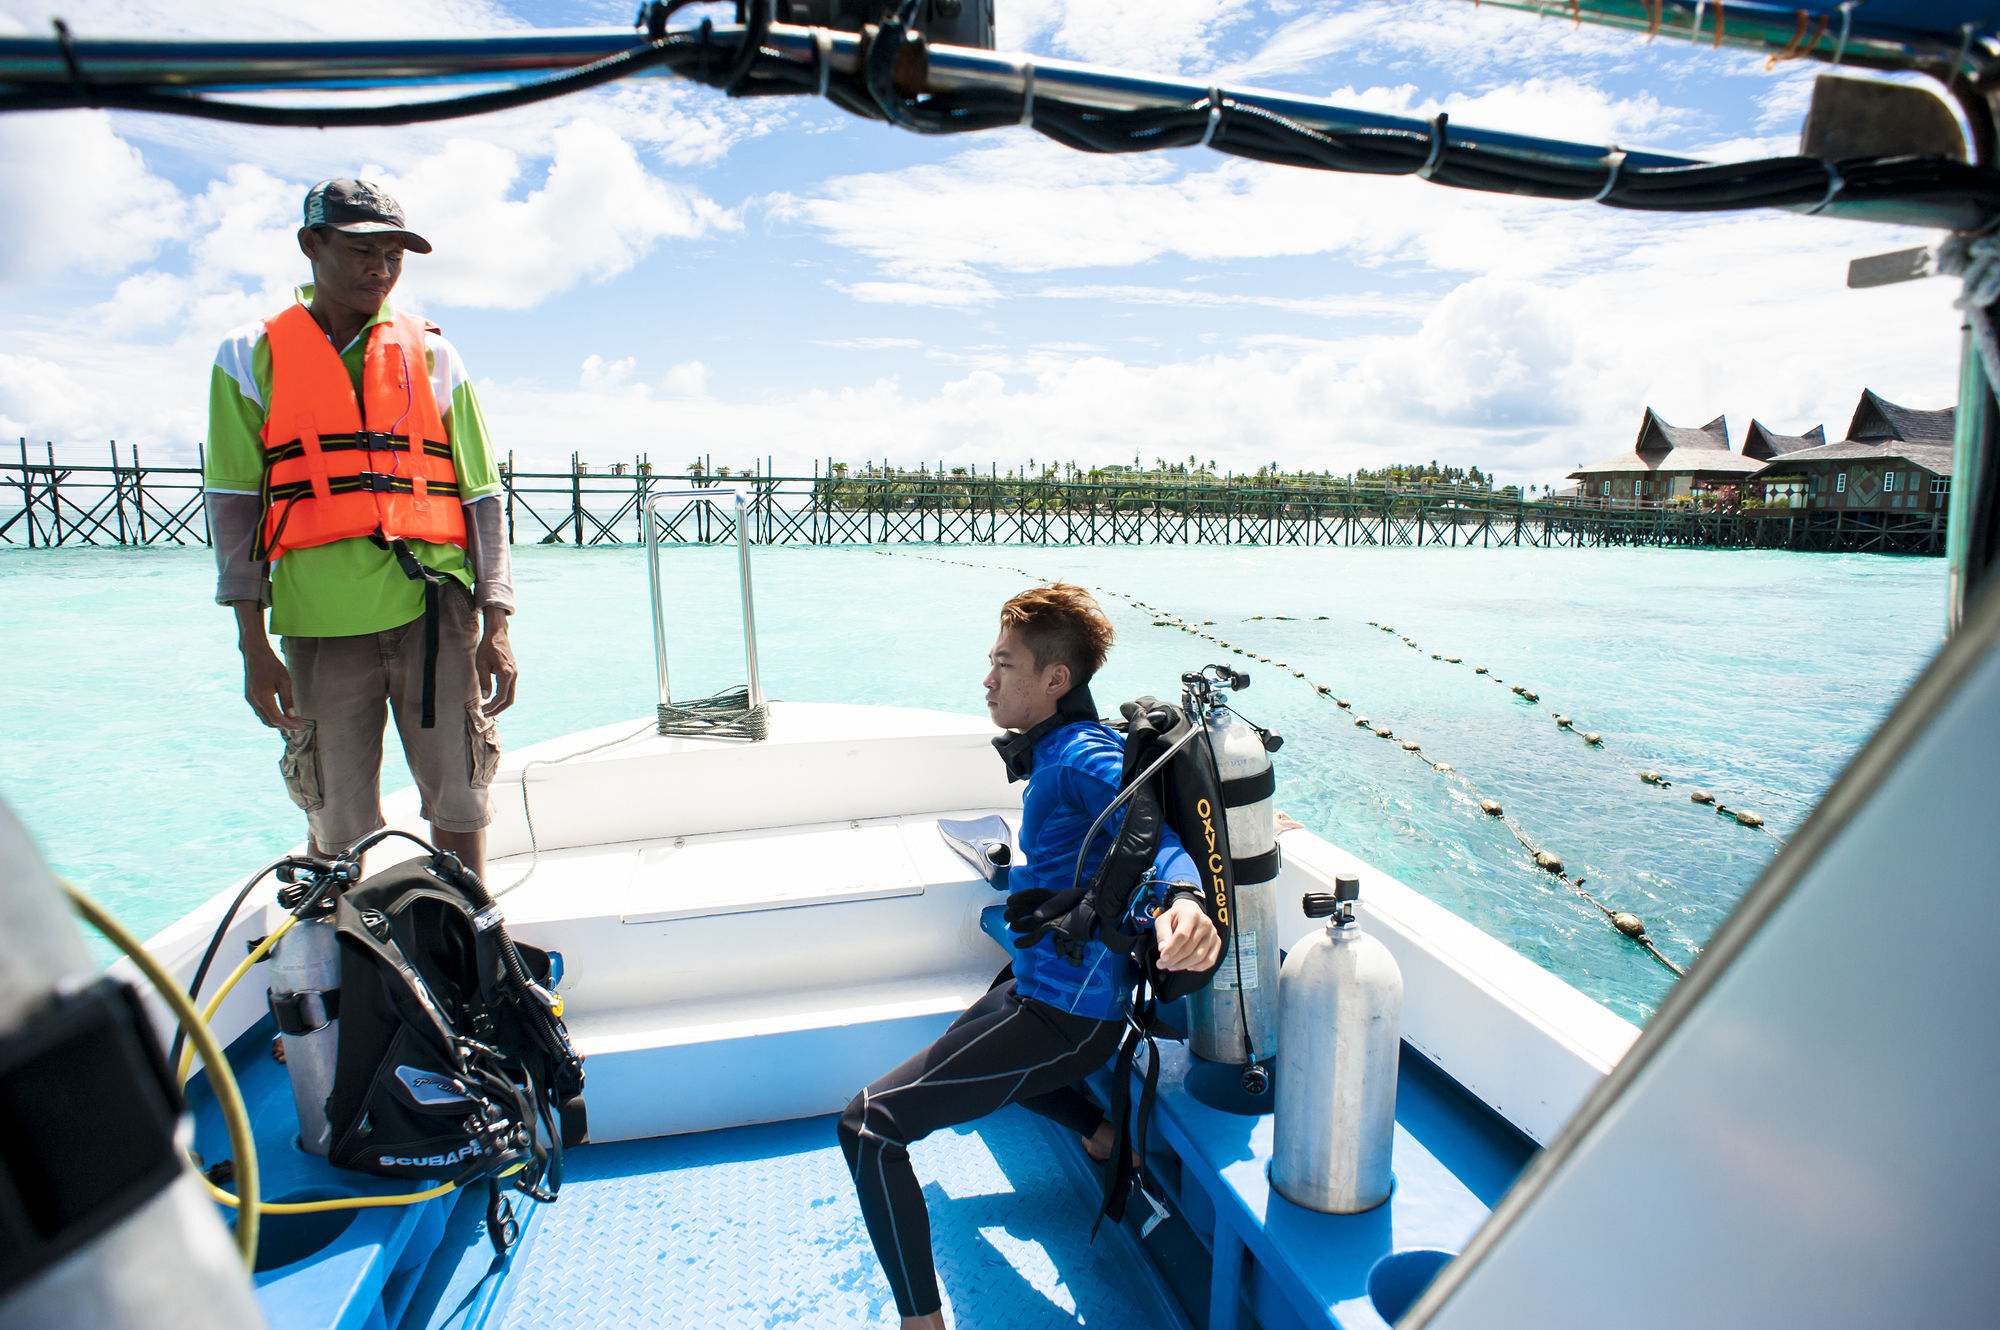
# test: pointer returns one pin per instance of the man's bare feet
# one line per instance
(1098, 1144)
(1287, 823)
(935, 1321)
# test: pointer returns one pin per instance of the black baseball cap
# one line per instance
(359, 208)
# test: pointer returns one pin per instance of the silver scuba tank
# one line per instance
(1234, 1019)
(304, 970)
(1341, 997)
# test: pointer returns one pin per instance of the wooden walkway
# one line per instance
(46, 504)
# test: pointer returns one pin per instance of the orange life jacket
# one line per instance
(335, 468)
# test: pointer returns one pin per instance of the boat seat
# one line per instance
(826, 953)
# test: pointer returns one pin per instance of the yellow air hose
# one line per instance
(220, 1077)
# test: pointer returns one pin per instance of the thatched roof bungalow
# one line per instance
(1764, 443)
(1667, 461)
(1894, 458)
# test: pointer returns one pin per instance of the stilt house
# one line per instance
(1894, 458)
(1666, 462)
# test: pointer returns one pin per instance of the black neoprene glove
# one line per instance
(1034, 912)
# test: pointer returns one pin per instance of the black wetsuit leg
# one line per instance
(1002, 1050)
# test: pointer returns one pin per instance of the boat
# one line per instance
(751, 928)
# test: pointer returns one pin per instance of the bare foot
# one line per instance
(1287, 823)
(935, 1321)
(1098, 1144)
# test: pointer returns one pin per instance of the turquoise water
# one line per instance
(127, 749)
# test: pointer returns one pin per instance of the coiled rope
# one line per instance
(1626, 923)
(724, 715)
(1592, 738)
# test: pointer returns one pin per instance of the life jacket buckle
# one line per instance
(375, 482)
(375, 439)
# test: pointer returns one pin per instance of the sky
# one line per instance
(654, 269)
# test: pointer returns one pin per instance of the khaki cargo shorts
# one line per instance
(348, 688)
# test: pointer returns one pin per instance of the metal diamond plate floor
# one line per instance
(758, 1226)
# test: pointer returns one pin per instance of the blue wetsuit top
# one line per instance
(1075, 776)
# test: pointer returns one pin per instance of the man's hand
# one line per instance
(494, 664)
(1187, 938)
(267, 686)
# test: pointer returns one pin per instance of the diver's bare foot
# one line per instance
(935, 1321)
(1287, 823)
(1098, 1144)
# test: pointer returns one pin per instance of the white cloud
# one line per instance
(868, 343)
(599, 374)
(498, 247)
(687, 379)
(79, 199)
(1163, 35)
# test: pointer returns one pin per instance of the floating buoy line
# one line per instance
(1628, 924)
(1592, 739)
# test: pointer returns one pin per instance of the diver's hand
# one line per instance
(1033, 913)
(267, 687)
(493, 664)
(1186, 937)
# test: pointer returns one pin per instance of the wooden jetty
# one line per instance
(49, 504)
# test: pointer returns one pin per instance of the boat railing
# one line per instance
(739, 501)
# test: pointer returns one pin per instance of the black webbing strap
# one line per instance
(372, 441)
(304, 1012)
(364, 482)
(433, 581)
(1129, 1132)
(1257, 868)
(1247, 790)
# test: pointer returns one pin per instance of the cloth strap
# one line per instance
(433, 580)
(366, 440)
(365, 482)
(1247, 790)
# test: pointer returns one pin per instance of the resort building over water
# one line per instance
(1666, 462)
(1893, 458)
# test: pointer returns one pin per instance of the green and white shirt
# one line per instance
(349, 586)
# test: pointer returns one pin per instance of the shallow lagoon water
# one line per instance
(127, 749)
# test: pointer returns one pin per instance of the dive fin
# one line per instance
(986, 842)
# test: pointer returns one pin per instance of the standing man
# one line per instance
(1061, 1016)
(351, 491)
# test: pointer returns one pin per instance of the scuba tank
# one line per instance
(304, 970)
(1235, 1019)
(1342, 1004)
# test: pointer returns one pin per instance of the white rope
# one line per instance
(528, 814)
(1846, 26)
(1615, 159)
(1028, 93)
(1214, 116)
(1975, 260)
(822, 60)
(1437, 147)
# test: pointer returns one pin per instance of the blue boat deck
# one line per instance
(758, 1226)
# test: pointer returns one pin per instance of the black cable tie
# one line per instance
(66, 44)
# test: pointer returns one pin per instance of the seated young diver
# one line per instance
(1060, 1017)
